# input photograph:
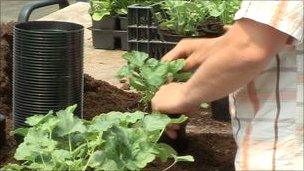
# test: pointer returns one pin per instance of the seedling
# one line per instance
(112, 141)
(185, 17)
(146, 75)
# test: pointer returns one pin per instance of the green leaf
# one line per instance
(137, 84)
(187, 158)
(179, 120)
(35, 144)
(98, 16)
(37, 119)
(98, 158)
(21, 131)
(136, 58)
(152, 62)
(68, 123)
(124, 72)
(12, 167)
(143, 158)
(155, 122)
(165, 151)
(177, 65)
(61, 156)
(182, 77)
(39, 166)
(134, 117)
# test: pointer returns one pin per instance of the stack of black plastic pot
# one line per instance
(2, 130)
(47, 68)
(110, 33)
(144, 35)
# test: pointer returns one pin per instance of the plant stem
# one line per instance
(42, 159)
(159, 135)
(70, 143)
(169, 167)
(89, 160)
(50, 131)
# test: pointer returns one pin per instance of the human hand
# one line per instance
(193, 50)
(170, 99)
(171, 94)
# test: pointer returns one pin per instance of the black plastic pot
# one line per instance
(220, 109)
(108, 23)
(103, 39)
(50, 76)
(123, 22)
(2, 131)
(121, 40)
(110, 39)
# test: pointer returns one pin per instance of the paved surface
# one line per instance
(100, 64)
(10, 10)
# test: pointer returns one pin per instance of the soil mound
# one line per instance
(102, 97)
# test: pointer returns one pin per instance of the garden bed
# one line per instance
(211, 142)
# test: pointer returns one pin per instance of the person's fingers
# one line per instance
(181, 50)
(172, 134)
(176, 53)
(171, 130)
(173, 127)
(192, 62)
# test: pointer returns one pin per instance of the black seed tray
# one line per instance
(109, 39)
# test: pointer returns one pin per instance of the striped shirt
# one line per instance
(267, 114)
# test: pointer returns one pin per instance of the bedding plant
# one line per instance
(110, 141)
(194, 17)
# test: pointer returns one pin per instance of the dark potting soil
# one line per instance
(102, 97)
(6, 56)
(211, 142)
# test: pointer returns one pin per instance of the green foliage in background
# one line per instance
(104, 8)
(184, 17)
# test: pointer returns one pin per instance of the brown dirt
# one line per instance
(6, 42)
(102, 97)
(211, 142)
(6, 56)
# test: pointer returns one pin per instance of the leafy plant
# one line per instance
(222, 9)
(184, 17)
(103, 8)
(147, 75)
(113, 141)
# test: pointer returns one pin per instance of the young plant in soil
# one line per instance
(146, 75)
(189, 18)
(112, 141)
(105, 8)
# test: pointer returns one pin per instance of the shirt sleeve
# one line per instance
(283, 15)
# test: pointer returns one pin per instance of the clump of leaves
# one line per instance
(146, 75)
(184, 17)
(113, 141)
(103, 8)
(222, 9)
